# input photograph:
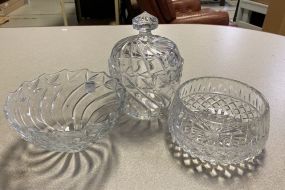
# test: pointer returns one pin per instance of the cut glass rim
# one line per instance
(54, 73)
(266, 104)
(11, 93)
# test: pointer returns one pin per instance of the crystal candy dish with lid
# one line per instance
(149, 67)
(219, 120)
(65, 111)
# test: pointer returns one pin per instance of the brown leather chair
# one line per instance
(183, 12)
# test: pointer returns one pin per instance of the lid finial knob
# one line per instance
(145, 22)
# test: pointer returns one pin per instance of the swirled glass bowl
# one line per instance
(219, 120)
(65, 111)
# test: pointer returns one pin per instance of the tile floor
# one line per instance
(42, 13)
(48, 13)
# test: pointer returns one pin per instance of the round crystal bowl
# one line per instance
(219, 120)
(65, 111)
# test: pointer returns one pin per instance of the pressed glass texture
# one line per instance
(65, 111)
(149, 67)
(219, 120)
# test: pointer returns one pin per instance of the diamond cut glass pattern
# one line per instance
(219, 120)
(149, 67)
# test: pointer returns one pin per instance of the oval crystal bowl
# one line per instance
(65, 111)
(219, 120)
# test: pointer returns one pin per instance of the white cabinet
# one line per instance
(246, 7)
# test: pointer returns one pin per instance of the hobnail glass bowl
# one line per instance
(219, 120)
(65, 111)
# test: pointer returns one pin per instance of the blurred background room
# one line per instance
(250, 14)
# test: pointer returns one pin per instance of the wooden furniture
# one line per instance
(9, 6)
(275, 18)
(139, 155)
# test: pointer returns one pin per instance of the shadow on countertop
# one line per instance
(26, 166)
(136, 130)
(221, 173)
